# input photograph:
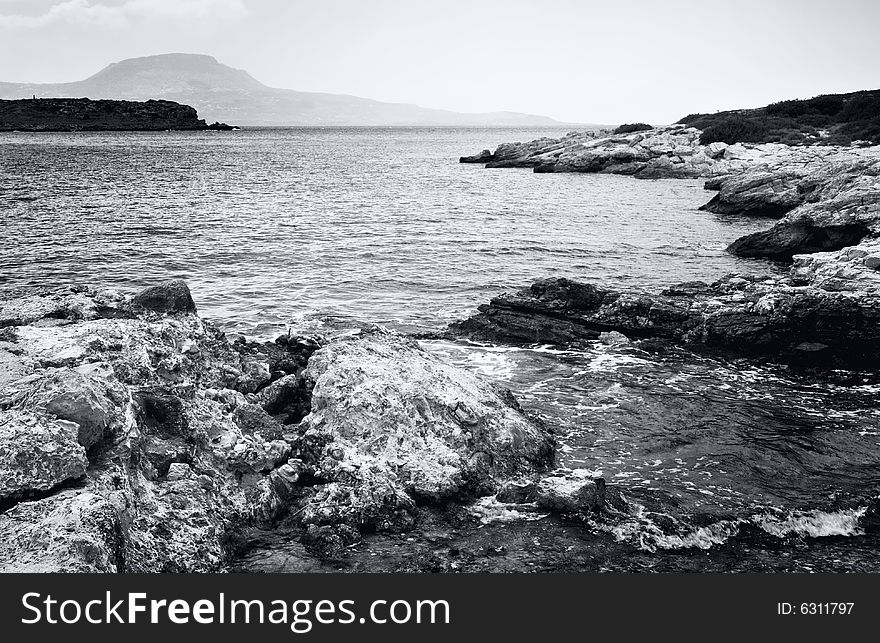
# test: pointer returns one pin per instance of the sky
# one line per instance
(574, 60)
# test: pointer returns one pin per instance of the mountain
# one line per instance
(221, 93)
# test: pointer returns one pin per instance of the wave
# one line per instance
(652, 531)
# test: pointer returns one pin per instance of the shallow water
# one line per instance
(322, 229)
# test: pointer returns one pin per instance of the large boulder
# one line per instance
(169, 297)
(382, 404)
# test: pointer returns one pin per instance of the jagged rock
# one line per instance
(664, 152)
(93, 404)
(183, 456)
(785, 240)
(830, 198)
(771, 317)
(66, 303)
(378, 400)
(613, 338)
(759, 194)
(715, 150)
(563, 491)
(288, 399)
(483, 157)
(170, 297)
(571, 492)
(73, 531)
(37, 454)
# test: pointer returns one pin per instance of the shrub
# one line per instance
(628, 128)
(846, 117)
(734, 130)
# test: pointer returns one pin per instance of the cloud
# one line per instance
(103, 14)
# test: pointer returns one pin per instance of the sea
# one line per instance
(729, 464)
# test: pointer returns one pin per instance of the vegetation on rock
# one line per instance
(831, 119)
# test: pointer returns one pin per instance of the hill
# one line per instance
(82, 114)
(830, 119)
(221, 93)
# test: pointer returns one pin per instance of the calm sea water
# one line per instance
(328, 228)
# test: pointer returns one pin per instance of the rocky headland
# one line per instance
(85, 115)
(826, 203)
(135, 436)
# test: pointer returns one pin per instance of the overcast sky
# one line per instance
(574, 60)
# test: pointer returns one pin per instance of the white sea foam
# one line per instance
(815, 524)
(489, 510)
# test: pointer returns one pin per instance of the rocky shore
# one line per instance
(827, 203)
(135, 436)
(85, 115)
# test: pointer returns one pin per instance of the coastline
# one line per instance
(257, 507)
(827, 206)
(86, 115)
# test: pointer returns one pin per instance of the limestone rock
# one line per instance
(186, 445)
(435, 431)
(37, 454)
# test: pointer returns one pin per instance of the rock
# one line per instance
(664, 152)
(739, 316)
(330, 541)
(517, 492)
(180, 463)
(783, 241)
(37, 454)
(759, 194)
(66, 303)
(571, 492)
(432, 431)
(287, 399)
(613, 338)
(72, 531)
(483, 157)
(167, 298)
(715, 150)
(93, 404)
(178, 471)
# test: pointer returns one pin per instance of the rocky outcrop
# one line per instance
(833, 201)
(83, 114)
(436, 431)
(810, 316)
(798, 236)
(134, 436)
(665, 152)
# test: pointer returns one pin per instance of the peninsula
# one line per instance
(83, 114)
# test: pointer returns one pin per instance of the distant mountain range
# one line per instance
(221, 93)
